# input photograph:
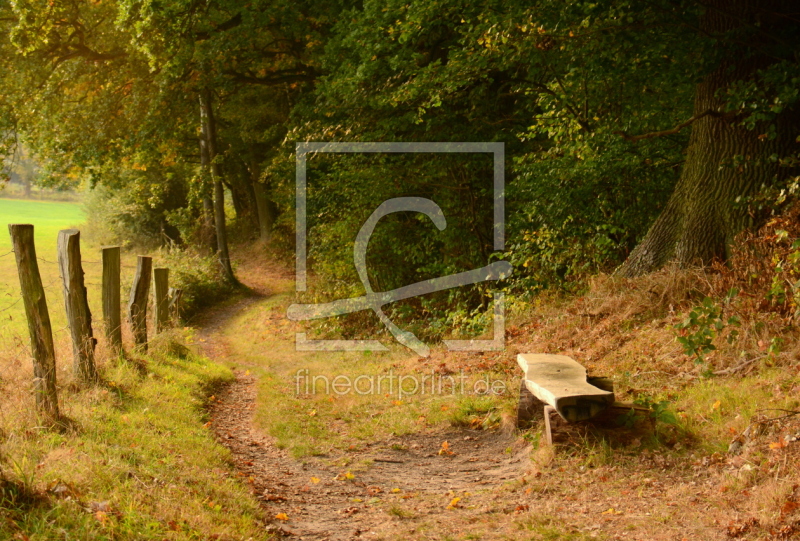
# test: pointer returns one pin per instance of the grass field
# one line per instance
(48, 218)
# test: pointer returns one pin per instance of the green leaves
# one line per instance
(703, 324)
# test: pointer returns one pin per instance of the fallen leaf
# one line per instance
(445, 450)
(780, 444)
(395, 490)
(282, 516)
(453, 503)
(611, 511)
(315, 480)
(789, 507)
(716, 405)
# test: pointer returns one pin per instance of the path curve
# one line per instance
(318, 503)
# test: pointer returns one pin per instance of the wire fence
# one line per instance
(16, 353)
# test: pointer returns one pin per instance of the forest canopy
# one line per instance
(636, 132)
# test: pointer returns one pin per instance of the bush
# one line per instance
(199, 276)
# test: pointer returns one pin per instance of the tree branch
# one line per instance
(231, 23)
(275, 78)
(676, 129)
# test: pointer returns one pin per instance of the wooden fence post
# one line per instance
(111, 298)
(161, 301)
(175, 296)
(76, 304)
(137, 306)
(44, 356)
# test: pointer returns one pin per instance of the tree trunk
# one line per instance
(208, 234)
(210, 137)
(266, 214)
(702, 216)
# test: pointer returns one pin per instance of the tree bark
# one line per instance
(266, 214)
(209, 135)
(702, 217)
(208, 235)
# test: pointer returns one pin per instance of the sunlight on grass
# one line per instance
(299, 405)
(137, 456)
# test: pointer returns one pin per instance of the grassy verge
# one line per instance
(317, 402)
(138, 461)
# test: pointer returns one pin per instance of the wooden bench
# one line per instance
(557, 383)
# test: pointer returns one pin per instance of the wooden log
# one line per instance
(175, 295)
(76, 303)
(41, 332)
(161, 298)
(112, 302)
(559, 381)
(137, 305)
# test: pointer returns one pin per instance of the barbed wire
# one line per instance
(53, 262)
(11, 305)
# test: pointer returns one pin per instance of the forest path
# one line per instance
(351, 484)
(402, 485)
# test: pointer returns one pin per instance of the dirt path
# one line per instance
(322, 504)
(317, 496)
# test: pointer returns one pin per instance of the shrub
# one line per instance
(199, 276)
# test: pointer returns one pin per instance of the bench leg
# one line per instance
(548, 431)
(528, 408)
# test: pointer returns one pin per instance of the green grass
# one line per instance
(137, 463)
(48, 218)
(315, 421)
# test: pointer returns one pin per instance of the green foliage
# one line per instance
(199, 276)
(703, 324)
(139, 207)
(562, 85)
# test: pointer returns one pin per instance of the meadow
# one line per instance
(48, 218)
